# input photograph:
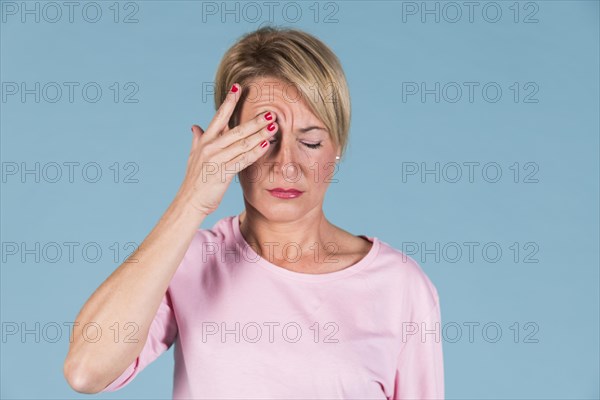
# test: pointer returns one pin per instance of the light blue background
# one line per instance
(171, 51)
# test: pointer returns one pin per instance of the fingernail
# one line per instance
(271, 127)
(234, 88)
(264, 144)
(268, 116)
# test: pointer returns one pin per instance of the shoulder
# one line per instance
(207, 240)
(405, 278)
(206, 247)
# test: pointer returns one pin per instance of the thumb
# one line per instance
(196, 133)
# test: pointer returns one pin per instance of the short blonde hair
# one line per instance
(296, 58)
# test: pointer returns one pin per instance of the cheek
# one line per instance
(250, 175)
(323, 172)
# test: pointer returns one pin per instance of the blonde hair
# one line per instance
(296, 58)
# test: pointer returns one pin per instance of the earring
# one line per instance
(337, 157)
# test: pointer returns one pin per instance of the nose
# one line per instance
(284, 160)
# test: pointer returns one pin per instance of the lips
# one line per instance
(288, 193)
(285, 190)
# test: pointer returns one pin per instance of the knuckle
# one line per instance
(236, 131)
(260, 119)
(204, 149)
(262, 123)
(223, 113)
(205, 152)
(245, 143)
(266, 134)
(220, 113)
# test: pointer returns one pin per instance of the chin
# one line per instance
(282, 212)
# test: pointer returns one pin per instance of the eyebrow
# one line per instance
(310, 128)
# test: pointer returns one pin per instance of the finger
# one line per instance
(223, 115)
(248, 158)
(197, 132)
(230, 136)
(249, 142)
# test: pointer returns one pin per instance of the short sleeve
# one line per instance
(420, 370)
(161, 336)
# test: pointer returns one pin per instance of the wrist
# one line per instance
(183, 202)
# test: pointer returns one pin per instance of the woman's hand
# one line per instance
(220, 153)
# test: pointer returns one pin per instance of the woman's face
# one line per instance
(300, 155)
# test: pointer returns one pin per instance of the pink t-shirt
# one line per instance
(246, 328)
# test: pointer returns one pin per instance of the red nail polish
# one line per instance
(271, 127)
(264, 144)
(234, 89)
(268, 116)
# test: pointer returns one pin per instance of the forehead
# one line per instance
(271, 93)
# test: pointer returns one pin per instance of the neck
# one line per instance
(287, 241)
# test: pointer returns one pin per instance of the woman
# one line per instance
(276, 302)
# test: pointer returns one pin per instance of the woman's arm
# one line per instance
(420, 370)
(132, 293)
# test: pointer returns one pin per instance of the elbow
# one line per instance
(80, 379)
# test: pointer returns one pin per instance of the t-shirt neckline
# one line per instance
(301, 276)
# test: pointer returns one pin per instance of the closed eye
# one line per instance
(312, 145)
(309, 145)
